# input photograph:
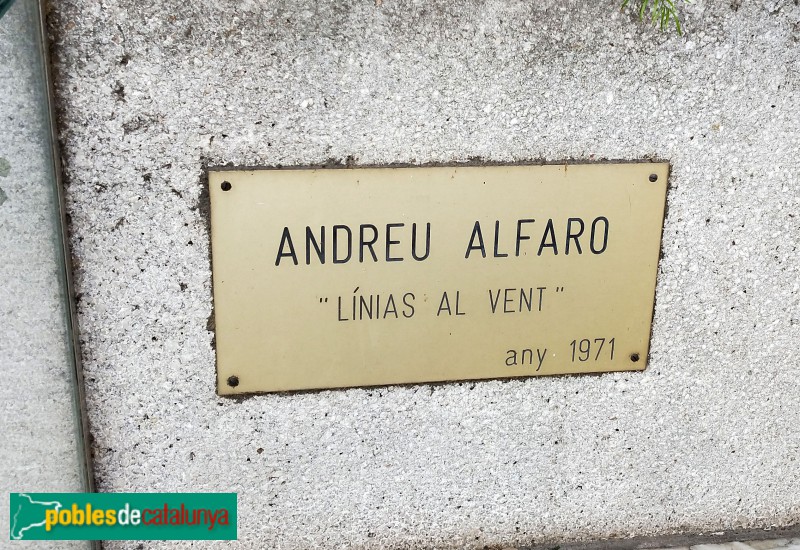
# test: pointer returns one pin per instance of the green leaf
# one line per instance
(661, 12)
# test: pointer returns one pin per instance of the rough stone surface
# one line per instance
(705, 439)
(39, 451)
(776, 544)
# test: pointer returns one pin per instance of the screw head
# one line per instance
(653, 177)
(634, 357)
(226, 186)
(233, 381)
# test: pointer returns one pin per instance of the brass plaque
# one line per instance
(355, 277)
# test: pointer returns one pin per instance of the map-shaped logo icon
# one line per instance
(28, 515)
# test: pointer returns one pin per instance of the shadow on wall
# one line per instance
(4, 5)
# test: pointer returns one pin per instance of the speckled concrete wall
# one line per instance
(706, 439)
(40, 443)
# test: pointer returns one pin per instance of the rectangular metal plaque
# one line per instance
(355, 277)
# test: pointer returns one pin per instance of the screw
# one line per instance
(226, 185)
(634, 358)
(233, 381)
(654, 177)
